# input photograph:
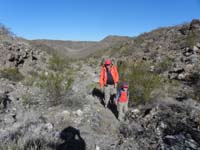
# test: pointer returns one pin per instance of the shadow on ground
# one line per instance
(72, 140)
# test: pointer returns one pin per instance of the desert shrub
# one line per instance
(122, 69)
(92, 61)
(12, 74)
(55, 84)
(164, 65)
(141, 81)
(191, 39)
(23, 144)
(196, 89)
(68, 84)
(74, 102)
(194, 81)
(36, 144)
(29, 81)
(58, 63)
(28, 100)
(139, 40)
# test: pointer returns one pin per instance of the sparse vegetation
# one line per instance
(92, 85)
(55, 84)
(191, 39)
(197, 90)
(68, 83)
(142, 82)
(195, 82)
(74, 102)
(57, 63)
(28, 100)
(29, 80)
(92, 61)
(22, 144)
(12, 74)
(139, 40)
(164, 65)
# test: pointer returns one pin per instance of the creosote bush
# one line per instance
(56, 85)
(141, 81)
(58, 80)
(58, 63)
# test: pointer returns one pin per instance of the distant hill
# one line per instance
(78, 49)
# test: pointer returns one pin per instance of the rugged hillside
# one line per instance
(50, 102)
(165, 64)
(78, 49)
(45, 103)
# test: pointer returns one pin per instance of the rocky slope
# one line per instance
(48, 107)
(171, 120)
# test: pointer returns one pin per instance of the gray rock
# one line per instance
(198, 45)
(11, 57)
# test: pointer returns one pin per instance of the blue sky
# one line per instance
(93, 20)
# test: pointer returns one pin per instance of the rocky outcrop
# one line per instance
(164, 125)
(20, 55)
(195, 24)
(183, 69)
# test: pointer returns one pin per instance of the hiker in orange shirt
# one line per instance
(108, 80)
(121, 101)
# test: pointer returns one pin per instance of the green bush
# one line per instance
(12, 74)
(141, 81)
(58, 63)
(56, 86)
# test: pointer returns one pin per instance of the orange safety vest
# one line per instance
(103, 75)
(123, 97)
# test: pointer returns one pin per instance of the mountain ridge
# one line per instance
(80, 49)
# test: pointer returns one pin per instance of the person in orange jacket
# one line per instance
(108, 80)
(122, 100)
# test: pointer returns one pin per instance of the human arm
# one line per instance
(116, 76)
